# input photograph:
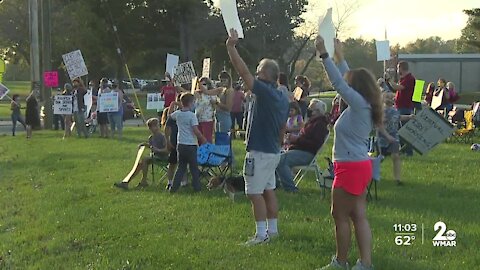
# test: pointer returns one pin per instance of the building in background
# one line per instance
(461, 69)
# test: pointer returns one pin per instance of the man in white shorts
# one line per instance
(264, 140)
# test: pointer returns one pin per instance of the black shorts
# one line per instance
(172, 157)
(102, 118)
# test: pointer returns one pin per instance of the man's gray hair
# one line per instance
(318, 105)
(270, 67)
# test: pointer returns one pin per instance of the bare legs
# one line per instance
(346, 207)
(141, 167)
(68, 126)
(29, 131)
(397, 165)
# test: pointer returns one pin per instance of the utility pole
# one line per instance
(34, 46)
(46, 61)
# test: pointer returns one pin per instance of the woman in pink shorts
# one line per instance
(352, 165)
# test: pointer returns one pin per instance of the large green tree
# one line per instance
(470, 39)
(429, 45)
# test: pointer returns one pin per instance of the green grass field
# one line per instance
(60, 211)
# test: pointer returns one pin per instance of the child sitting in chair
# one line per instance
(388, 139)
(158, 145)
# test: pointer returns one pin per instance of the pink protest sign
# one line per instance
(50, 78)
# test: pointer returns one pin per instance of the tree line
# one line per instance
(146, 30)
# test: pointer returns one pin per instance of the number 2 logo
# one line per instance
(441, 227)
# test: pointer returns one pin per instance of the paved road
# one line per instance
(6, 126)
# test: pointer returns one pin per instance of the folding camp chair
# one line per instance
(216, 159)
(320, 177)
(466, 133)
(162, 164)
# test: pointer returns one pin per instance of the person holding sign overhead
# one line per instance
(263, 144)
(304, 84)
(352, 165)
(79, 92)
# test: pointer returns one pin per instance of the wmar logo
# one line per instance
(443, 239)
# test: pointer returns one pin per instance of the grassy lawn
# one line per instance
(60, 211)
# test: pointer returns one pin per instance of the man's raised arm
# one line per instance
(237, 61)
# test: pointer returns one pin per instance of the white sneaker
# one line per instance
(335, 265)
(360, 266)
(257, 241)
(272, 235)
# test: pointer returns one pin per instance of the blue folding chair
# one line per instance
(216, 159)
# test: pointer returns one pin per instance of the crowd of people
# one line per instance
(285, 131)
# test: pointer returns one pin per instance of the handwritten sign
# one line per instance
(50, 78)
(194, 85)
(297, 93)
(426, 130)
(230, 16)
(327, 31)
(184, 73)
(172, 62)
(63, 104)
(75, 64)
(155, 101)
(383, 50)
(206, 68)
(3, 91)
(108, 102)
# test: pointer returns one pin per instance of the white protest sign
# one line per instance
(184, 73)
(206, 68)
(230, 16)
(172, 62)
(297, 93)
(108, 102)
(3, 91)
(383, 50)
(63, 104)
(155, 101)
(326, 30)
(426, 130)
(75, 64)
(88, 101)
(194, 85)
(437, 100)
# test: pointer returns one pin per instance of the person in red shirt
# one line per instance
(168, 91)
(404, 92)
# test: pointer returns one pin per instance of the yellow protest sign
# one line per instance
(418, 91)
